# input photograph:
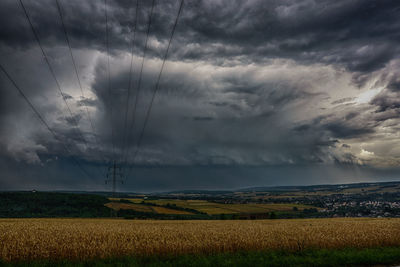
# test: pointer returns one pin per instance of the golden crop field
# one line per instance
(27, 239)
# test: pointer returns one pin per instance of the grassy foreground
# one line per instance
(344, 257)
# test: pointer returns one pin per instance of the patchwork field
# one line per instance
(219, 208)
(144, 208)
(82, 239)
(127, 206)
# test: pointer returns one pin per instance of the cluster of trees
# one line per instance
(43, 204)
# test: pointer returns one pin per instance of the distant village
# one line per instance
(366, 208)
(360, 200)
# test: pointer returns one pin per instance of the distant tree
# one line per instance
(310, 210)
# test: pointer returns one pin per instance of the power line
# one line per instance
(43, 121)
(52, 73)
(130, 80)
(59, 8)
(109, 85)
(140, 75)
(157, 83)
(72, 118)
(74, 65)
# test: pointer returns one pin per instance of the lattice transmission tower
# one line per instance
(114, 176)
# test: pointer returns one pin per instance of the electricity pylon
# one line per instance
(114, 176)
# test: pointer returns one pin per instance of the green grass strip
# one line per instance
(324, 257)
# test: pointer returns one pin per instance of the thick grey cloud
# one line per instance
(260, 86)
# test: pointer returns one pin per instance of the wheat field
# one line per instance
(28, 239)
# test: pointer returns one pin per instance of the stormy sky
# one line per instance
(253, 93)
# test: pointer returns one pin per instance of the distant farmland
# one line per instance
(82, 239)
(144, 208)
(213, 208)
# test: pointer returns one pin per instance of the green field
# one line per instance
(332, 258)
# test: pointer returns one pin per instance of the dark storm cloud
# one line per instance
(389, 99)
(361, 35)
(172, 139)
(386, 101)
(394, 86)
(85, 24)
(342, 100)
(203, 118)
(341, 130)
(249, 83)
(67, 96)
(23, 135)
(87, 102)
(345, 125)
(74, 119)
